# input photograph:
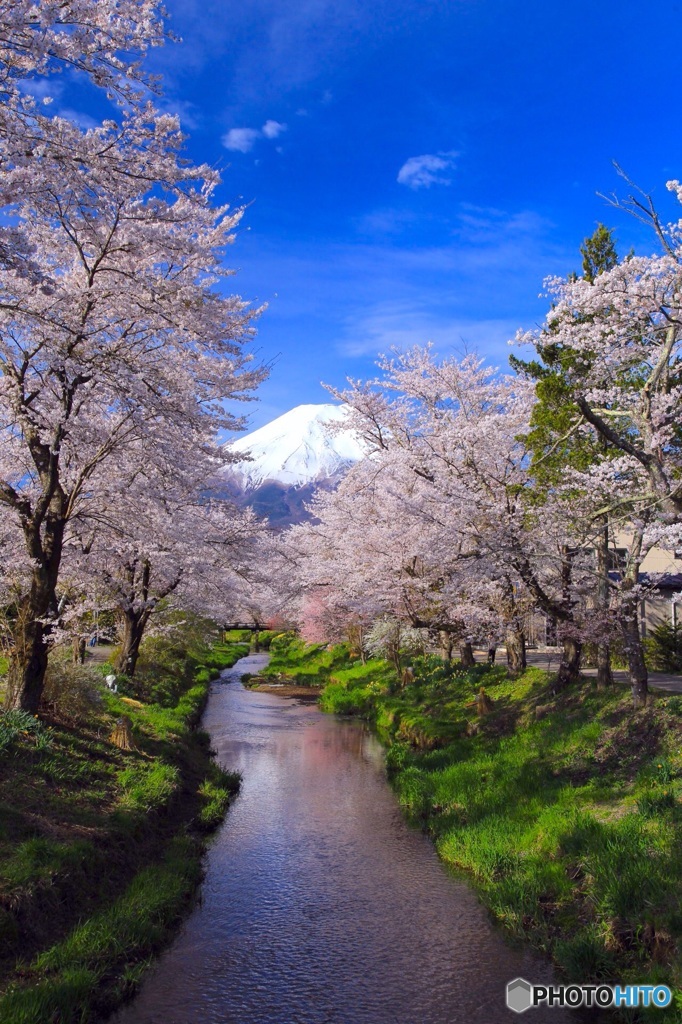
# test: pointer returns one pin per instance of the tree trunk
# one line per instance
(446, 645)
(569, 667)
(28, 664)
(515, 641)
(637, 670)
(131, 637)
(629, 624)
(466, 655)
(604, 674)
(79, 646)
(28, 661)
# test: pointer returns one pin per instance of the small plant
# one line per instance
(654, 802)
(674, 705)
(585, 955)
(15, 724)
(391, 639)
(664, 771)
(397, 757)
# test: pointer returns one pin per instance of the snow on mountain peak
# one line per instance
(296, 448)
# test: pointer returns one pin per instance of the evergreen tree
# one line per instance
(556, 439)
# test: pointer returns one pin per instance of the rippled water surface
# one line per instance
(320, 905)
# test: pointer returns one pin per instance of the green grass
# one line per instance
(301, 663)
(224, 655)
(80, 918)
(72, 980)
(237, 636)
(216, 792)
(567, 819)
(148, 787)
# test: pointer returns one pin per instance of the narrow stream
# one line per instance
(320, 904)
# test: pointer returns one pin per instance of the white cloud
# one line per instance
(244, 139)
(273, 129)
(427, 170)
(241, 139)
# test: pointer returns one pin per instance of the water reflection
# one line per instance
(320, 905)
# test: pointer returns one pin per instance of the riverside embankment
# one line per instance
(320, 904)
(564, 810)
(101, 847)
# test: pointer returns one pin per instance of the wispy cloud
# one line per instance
(44, 89)
(427, 170)
(484, 225)
(402, 324)
(242, 140)
(267, 48)
(79, 117)
(386, 221)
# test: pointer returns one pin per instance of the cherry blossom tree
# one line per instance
(103, 41)
(114, 338)
(155, 549)
(106, 39)
(620, 336)
(439, 525)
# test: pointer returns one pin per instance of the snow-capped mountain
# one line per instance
(291, 458)
(296, 449)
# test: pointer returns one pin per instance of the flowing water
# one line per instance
(320, 904)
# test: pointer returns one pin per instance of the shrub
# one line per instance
(72, 692)
(165, 691)
(664, 648)
(266, 636)
(282, 642)
(392, 639)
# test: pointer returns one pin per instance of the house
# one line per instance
(661, 571)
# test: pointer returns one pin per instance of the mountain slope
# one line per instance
(296, 449)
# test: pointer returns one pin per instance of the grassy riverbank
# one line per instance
(565, 811)
(100, 848)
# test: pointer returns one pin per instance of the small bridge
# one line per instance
(253, 627)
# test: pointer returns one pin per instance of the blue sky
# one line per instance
(413, 169)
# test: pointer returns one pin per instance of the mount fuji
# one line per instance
(289, 458)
